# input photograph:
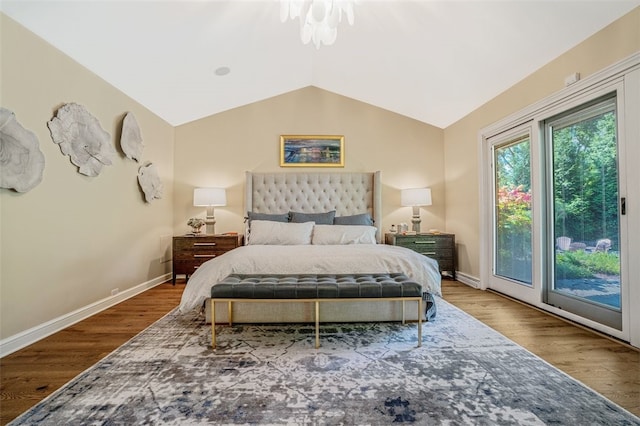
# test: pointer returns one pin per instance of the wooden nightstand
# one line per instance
(189, 252)
(441, 247)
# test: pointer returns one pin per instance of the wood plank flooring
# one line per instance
(29, 375)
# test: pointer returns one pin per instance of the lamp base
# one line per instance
(211, 228)
(415, 220)
(210, 222)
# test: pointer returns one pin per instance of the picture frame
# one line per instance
(311, 151)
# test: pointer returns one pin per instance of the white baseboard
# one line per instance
(32, 335)
(469, 280)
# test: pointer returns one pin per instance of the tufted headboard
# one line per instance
(346, 193)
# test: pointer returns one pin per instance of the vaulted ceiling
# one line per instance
(434, 61)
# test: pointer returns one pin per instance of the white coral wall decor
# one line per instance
(21, 161)
(131, 139)
(150, 182)
(81, 137)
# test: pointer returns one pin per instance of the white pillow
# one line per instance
(343, 234)
(265, 232)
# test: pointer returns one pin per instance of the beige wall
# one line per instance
(217, 150)
(615, 42)
(72, 239)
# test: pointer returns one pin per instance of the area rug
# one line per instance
(363, 374)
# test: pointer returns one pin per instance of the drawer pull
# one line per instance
(205, 255)
(204, 244)
(424, 242)
(429, 253)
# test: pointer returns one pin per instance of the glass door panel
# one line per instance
(513, 221)
(586, 226)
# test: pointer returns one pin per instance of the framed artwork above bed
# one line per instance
(311, 151)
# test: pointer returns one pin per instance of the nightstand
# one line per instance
(189, 251)
(441, 247)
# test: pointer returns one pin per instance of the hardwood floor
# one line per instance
(29, 375)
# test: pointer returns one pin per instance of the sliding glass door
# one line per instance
(559, 193)
(512, 224)
(559, 242)
(584, 212)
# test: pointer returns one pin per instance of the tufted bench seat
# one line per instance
(314, 288)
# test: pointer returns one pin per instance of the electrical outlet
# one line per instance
(115, 291)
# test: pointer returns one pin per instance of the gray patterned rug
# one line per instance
(465, 373)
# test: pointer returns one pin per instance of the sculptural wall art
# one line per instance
(131, 139)
(150, 182)
(21, 161)
(81, 137)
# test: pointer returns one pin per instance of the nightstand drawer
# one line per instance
(186, 267)
(436, 253)
(197, 244)
(446, 265)
(419, 242)
(189, 252)
(199, 252)
(440, 247)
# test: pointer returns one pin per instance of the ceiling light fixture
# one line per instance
(319, 19)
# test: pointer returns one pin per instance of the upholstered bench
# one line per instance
(315, 288)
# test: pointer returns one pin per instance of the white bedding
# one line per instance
(310, 259)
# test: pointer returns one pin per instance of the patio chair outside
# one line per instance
(563, 243)
(603, 245)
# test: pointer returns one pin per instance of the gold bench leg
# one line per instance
(317, 324)
(213, 324)
(419, 322)
(317, 320)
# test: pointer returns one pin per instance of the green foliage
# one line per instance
(585, 179)
(514, 222)
(602, 263)
(513, 210)
(580, 264)
(584, 159)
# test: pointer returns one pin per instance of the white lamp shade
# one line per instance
(415, 197)
(209, 197)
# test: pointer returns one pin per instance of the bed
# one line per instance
(326, 237)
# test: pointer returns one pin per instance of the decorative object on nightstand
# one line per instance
(191, 251)
(196, 223)
(415, 198)
(438, 246)
(210, 198)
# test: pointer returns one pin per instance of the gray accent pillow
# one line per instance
(319, 218)
(357, 219)
(282, 217)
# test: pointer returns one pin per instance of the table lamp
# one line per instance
(416, 197)
(210, 197)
